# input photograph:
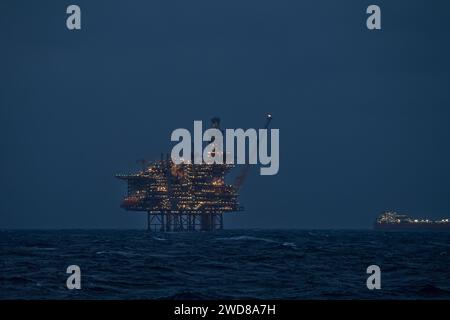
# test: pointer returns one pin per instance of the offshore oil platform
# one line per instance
(186, 196)
(392, 221)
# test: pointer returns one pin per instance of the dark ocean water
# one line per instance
(244, 264)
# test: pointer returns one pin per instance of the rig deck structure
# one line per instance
(182, 197)
(186, 196)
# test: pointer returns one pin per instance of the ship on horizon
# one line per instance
(391, 220)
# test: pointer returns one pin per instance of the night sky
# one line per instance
(363, 115)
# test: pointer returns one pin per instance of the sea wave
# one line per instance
(252, 264)
(246, 238)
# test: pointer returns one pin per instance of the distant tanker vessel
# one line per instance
(392, 221)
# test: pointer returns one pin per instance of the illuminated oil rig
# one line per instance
(184, 197)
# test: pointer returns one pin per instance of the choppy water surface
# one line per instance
(247, 264)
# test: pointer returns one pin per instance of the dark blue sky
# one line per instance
(363, 116)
